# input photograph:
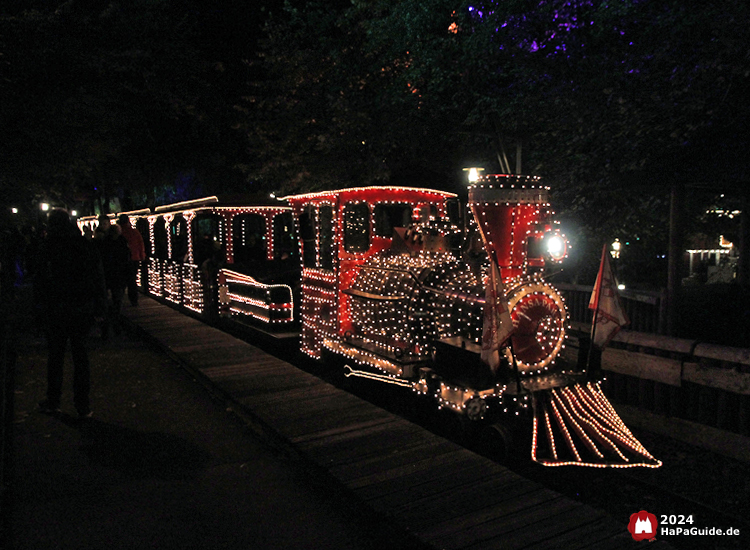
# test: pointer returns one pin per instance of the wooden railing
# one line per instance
(645, 309)
(677, 377)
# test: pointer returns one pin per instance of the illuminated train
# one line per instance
(403, 286)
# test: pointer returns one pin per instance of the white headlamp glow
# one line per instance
(556, 246)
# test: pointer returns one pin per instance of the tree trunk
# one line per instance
(674, 266)
(743, 265)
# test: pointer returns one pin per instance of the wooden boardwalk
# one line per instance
(446, 496)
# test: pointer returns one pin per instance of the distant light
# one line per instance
(74, 213)
(14, 210)
(44, 206)
(272, 195)
(621, 286)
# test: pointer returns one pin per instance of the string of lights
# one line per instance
(245, 296)
(585, 410)
(393, 285)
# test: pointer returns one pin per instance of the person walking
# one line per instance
(102, 227)
(115, 256)
(69, 290)
(137, 255)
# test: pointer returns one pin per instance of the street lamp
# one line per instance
(44, 206)
(616, 248)
(14, 210)
(473, 173)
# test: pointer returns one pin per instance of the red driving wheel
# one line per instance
(539, 316)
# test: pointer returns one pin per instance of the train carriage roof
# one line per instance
(83, 220)
(212, 204)
(372, 193)
(186, 205)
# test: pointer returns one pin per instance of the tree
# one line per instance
(105, 99)
(611, 100)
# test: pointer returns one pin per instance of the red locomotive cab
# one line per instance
(339, 231)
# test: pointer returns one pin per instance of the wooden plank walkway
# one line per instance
(445, 495)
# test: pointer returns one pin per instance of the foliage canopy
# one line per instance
(613, 100)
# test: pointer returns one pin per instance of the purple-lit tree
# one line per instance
(615, 101)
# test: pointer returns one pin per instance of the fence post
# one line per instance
(674, 281)
(662, 326)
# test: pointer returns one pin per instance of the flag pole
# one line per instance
(598, 288)
(510, 338)
(519, 389)
(591, 343)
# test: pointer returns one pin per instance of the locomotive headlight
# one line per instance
(556, 246)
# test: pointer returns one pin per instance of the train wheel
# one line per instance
(539, 317)
(476, 409)
(496, 442)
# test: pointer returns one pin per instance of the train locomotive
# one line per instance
(403, 286)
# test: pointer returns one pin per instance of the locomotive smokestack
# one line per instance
(513, 215)
(507, 209)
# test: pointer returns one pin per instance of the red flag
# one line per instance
(497, 325)
(609, 316)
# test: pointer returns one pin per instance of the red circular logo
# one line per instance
(540, 325)
(642, 526)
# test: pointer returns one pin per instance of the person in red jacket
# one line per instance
(137, 254)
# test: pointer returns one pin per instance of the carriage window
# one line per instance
(307, 234)
(427, 212)
(284, 245)
(316, 228)
(388, 216)
(208, 237)
(142, 226)
(249, 237)
(178, 229)
(454, 211)
(357, 227)
(326, 237)
(160, 239)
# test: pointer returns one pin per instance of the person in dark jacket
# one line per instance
(115, 256)
(102, 227)
(70, 293)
